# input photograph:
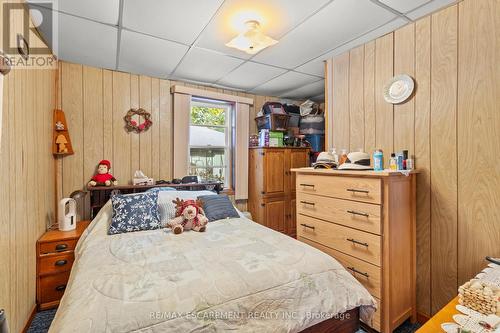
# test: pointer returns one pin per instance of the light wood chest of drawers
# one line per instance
(366, 221)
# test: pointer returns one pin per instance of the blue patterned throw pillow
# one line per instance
(218, 207)
(134, 212)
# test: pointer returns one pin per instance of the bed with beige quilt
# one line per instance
(236, 276)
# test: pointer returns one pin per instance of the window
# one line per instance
(211, 140)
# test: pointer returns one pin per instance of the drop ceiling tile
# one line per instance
(307, 91)
(315, 67)
(374, 34)
(285, 82)
(339, 22)
(404, 6)
(204, 65)
(276, 18)
(95, 47)
(250, 75)
(429, 8)
(98, 10)
(180, 21)
(148, 55)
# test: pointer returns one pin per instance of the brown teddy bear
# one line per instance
(189, 216)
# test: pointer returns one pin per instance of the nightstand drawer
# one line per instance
(52, 287)
(50, 264)
(58, 246)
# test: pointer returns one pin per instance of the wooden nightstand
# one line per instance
(55, 256)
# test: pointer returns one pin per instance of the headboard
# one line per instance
(99, 195)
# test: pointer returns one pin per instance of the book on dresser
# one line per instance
(271, 191)
(366, 221)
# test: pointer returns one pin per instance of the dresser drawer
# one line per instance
(359, 244)
(351, 188)
(50, 264)
(353, 214)
(367, 274)
(58, 246)
(52, 287)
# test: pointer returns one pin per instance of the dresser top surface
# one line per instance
(357, 173)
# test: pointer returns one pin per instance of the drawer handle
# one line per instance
(358, 213)
(357, 242)
(61, 287)
(307, 185)
(307, 203)
(355, 271)
(308, 226)
(61, 247)
(354, 190)
(61, 262)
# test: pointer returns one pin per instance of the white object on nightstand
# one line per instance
(67, 214)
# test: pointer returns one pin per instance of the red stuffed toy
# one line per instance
(103, 177)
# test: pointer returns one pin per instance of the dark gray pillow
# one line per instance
(134, 212)
(218, 207)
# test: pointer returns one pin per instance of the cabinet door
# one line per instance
(274, 160)
(275, 214)
(299, 158)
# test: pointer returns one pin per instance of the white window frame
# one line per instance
(229, 135)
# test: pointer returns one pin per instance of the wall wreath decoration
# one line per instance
(137, 120)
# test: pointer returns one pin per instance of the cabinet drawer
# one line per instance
(50, 264)
(359, 244)
(58, 246)
(352, 214)
(368, 275)
(52, 287)
(351, 188)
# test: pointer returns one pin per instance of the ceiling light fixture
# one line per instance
(252, 40)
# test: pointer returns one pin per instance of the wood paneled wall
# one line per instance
(27, 193)
(95, 101)
(451, 125)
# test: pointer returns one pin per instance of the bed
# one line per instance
(238, 275)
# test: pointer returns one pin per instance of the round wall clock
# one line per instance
(398, 89)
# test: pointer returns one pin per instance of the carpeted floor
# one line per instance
(42, 320)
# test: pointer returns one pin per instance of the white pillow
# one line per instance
(167, 207)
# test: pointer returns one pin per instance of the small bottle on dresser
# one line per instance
(393, 163)
(405, 158)
(378, 160)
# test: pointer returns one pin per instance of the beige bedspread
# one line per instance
(236, 276)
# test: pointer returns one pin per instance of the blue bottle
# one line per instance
(378, 160)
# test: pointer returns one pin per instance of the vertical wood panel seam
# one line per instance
(83, 129)
(393, 35)
(456, 134)
(430, 161)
